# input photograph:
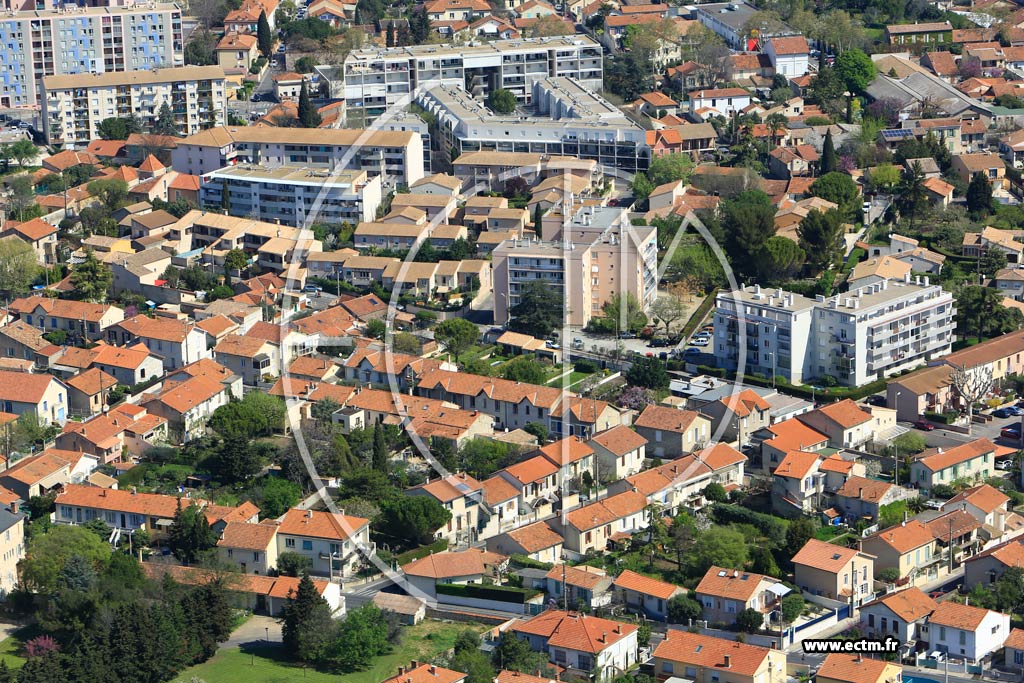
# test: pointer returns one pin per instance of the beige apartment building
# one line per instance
(597, 256)
(74, 105)
(12, 546)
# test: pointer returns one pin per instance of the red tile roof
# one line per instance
(573, 631)
(710, 652)
(630, 580)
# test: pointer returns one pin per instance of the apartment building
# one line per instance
(294, 195)
(396, 155)
(599, 257)
(74, 105)
(867, 333)
(565, 119)
(83, 40)
(377, 80)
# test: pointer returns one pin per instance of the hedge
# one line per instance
(774, 528)
(438, 546)
(491, 592)
(526, 562)
(942, 418)
(698, 315)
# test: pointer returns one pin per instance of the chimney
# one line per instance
(604, 636)
(401, 670)
(134, 490)
(860, 658)
(13, 507)
(728, 661)
(309, 514)
(433, 670)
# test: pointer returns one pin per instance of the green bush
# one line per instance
(438, 546)
(774, 528)
(584, 365)
(525, 562)
(499, 593)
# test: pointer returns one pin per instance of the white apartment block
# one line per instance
(82, 40)
(378, 79)
(396, 155)
(292, 195)
(566, 119)
(73, 106)
(597, 256)
(857, 337)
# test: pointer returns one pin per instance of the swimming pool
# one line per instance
(917, 679)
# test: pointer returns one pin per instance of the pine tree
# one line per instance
(979, 196)
(264, 39)
(165, 124)
(828, 155)
(306, 623)
(380, 449)
(308, 115)
(390, 34)
(6, 675)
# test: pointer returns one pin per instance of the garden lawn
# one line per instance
(262, 664)
(11, 647)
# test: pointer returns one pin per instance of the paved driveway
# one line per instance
(255, 630)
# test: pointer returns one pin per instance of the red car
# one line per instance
(924, 425)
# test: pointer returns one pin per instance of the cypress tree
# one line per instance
(380, 449)
(308, 115)
(306, 624)
(828, 155)
(264, 39)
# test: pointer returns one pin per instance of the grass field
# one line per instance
(10, 647)
(263, 664)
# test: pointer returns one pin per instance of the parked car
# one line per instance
(691, 352)
(1015, 411)
(1002, 412)
(659, 342)
(1010, 432)
(577, 343)
(876, 400)
(627, 335)
(924, 425)
(700, 341)
(1004, 465)
(311, 289)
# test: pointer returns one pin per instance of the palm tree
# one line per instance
(775, 123)
(911, 191)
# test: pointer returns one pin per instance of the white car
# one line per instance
(700, 341)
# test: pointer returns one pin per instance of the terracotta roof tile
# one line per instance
(574, 631)
(536, 537)
(318, 524)
(619, 440)
(606, 510)
(731, 583)
(427, 673)
(909, 605)
(955, 615)
(666, 418)
(905, 537)
(984, 497)
(856, 669)
(630, 580)
(796, 464)
(710, 652)
(825, 556)
(497, 490)
(936, 459)
(247, 536)
(582, 576)
(452, 564)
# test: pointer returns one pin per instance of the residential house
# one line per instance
(573, 457)
(537, 541)
(798, 487)
(977, 244)
(846, 424)
(901, 615)
(1010, 282)
(679, 484)
(125, 430)
(671, 432)
(706, 659)
(1013, 649)
(619, 452)
(834, 572)
(20, 340)
(966, 631)
(334, 542)
(743, 413)
(250, 547)
(788, 162)
(987, 504)
(862, 498)
(724, 593)
(177, 342)
(381, 368)
(187, 405)
(582, 588)
(536, 480)
(249, 357)
(43, 473)
(426, 673)
(12, 546)
(459, 494)
(644, 595)
(470, 566)
(39, 234)
(130, 365)
(88, 390)
(80, 319)
(988, 566)
(777, 440)
(909, 548)
(589, 529)
(724, 101)
(971, 461)
(43, 396)
(848, 668)
(790, 55)
(989, 165)
(578, 641)
(927, 33)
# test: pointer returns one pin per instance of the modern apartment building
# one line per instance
(565, 118)
(598, 256)
(74, 105)
(378, 79)
(396, 155)
(81, 40)
(858, 336)
(292, 195)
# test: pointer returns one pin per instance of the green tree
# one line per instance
(18, 266)
(112, 128)
(406, 342)
(376, 329)
(456, 335)
(719, 547)
(829, 164)
(20, 195)
(264, 38)
(305, 65)
(22, 151)
(306, 624)
(92, 278)
(290, 563)
(979, 196)
(235, 261)
(624, 312)
(792, 606)
(412, 520)
(190, 535)
(200, 49)
(992, 262)
(799, 532)
(856, 70)
(641, 186)
(275, 495)
(309, 117)
(821, 237)
(361, 637)
(682, 609)
(514, 654)
(380, 449)
(524, 369)
(980, 313)
(780, 260)
(839, 189)
(763, 562)
(482, 457)
(113, 193)
(236, 461)
(48, 554)
(749, 620)
(538, 312)
(669, 168)
(884, 177)
(715, 493)
(164, 123)
(502, 101)
(749, 220)
(911, 192)
(257, 414)
(648, 372)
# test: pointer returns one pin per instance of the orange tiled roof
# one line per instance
(318, 524)
(827, 557)
(453, 564)
(497, 490)
(427, 673)
(854, 668)
(862, 488)
(606, 510)
(666, 418)
(574, 631)
(534, 469)
(955, 615)
(630, 580)
(936, 459)
(619, 440)
(568, 450)
(730, 583)
(582, 576)
(905, 537)
(247, 536)
(794, 435)
(984, 497)
(535, 537)
(447, 489)
(909, 605)
(710, 652)
(796, 464)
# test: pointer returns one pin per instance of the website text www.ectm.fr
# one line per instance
(865, 645)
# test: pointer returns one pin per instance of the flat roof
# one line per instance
(149, 77)
(290, 175)
(496, 47)
(76, 10)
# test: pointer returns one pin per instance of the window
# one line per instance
(289, 543)
(307, 545)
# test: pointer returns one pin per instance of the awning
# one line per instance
(780, 589)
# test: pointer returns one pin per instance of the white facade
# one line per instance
(73, 106)
(376, 79)
(974, 645)
(859, 336)
(292, 195)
